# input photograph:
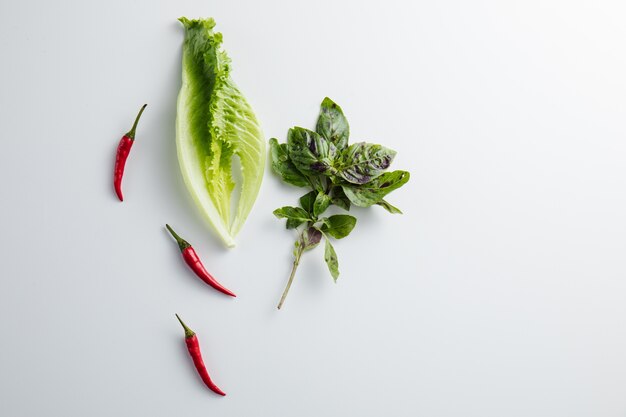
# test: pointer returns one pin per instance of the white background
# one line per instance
(500, 291)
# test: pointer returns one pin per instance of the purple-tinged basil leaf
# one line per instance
(362, 162)
(310, 153)
(311, 238)
(374, 191)
(332, 124)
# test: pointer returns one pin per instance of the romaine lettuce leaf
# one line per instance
(214, 123)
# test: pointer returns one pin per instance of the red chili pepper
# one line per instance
(123, 149)
(193, 346)
(191, 258)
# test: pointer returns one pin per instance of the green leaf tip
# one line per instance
(389, 207)
(330, 256)
(332, 124)
(208, 23)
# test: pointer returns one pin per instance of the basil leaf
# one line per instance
(339, 198)
(322, 201)
(332, 124)
(339, 225)
(307, 200)
(310, 153)
(293, 223)
(283, 166)
(330, 256)
(362, 162)
(389, 207)
(371, 193)
(311, 238)
(295, 216)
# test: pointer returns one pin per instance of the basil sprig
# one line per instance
(338, 174)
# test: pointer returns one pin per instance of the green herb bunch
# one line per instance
(338, 174)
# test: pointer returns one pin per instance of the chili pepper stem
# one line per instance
(182, 243)
(296, 262)
(188, 331)
(131, 132)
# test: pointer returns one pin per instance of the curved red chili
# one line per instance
(123, 149)
(193, 346)
(193, 261)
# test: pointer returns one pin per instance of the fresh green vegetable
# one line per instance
(215, 123)
(338, 174)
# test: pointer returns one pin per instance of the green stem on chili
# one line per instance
(131, 132)
(182, 243)
(188, 331)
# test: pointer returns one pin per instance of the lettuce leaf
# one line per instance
(215, 123)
